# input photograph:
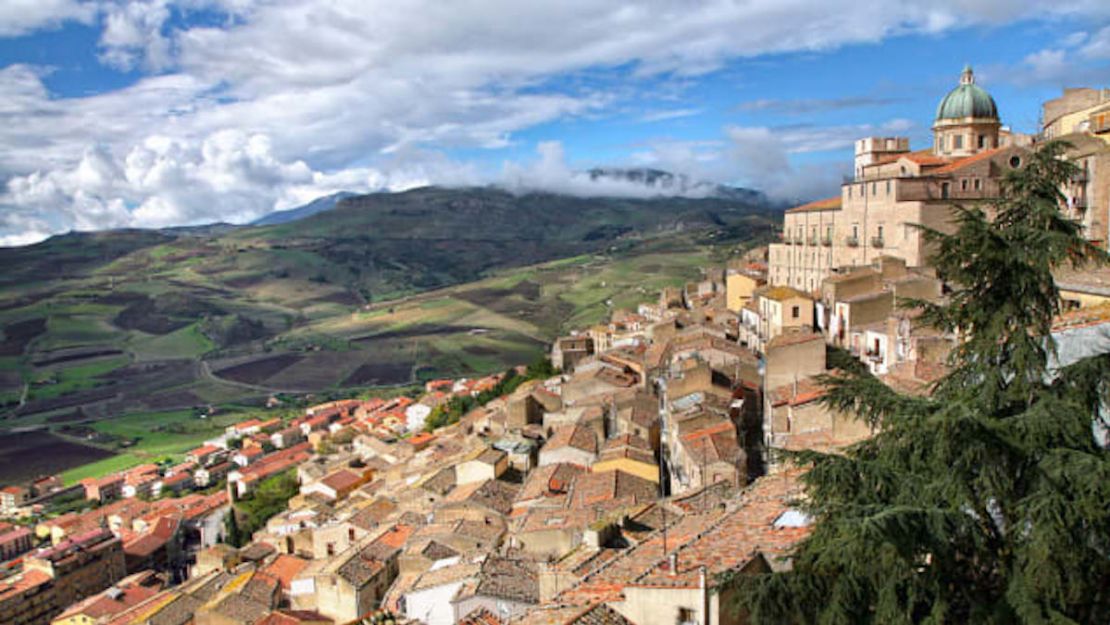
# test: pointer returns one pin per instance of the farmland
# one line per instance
(104, 332)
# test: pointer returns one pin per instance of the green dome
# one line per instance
(967, 100)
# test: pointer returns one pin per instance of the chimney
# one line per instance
(672, 561)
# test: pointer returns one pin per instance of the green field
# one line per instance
(122, 334)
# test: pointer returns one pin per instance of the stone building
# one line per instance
(894, 188)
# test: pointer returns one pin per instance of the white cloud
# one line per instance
(1097, 45)
(669, 115)
(18, 17)
(133, 36)
(319, 94)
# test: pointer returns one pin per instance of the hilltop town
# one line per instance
(628, 479)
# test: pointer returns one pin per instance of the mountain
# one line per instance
(318, 205)
(667, 184)
(381, 289)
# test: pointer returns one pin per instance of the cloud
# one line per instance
(319, 93)
(1097, 45)
(19, 17)
(816, 105)
(133, 36)
(669, 115)
(761, 157)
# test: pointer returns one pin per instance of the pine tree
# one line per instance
(231, 524)
(989, 500)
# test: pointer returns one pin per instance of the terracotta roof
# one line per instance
(578, 436)
(590, 489)
(373, 515)
(749, 528)
(285, 569)
(549, 480)
(110, 602)
(830, 203)
(964, 162)
(509, 579)
(805, 391)
(480, 616)
(341, 480)
(925, 158)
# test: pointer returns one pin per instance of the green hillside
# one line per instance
(385, 289)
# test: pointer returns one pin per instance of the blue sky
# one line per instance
(157, 112)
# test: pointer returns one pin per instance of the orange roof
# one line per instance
(964, 162)
(827, 204)
(806, 390)
(925, 157)
(396, 536)
(285, 568)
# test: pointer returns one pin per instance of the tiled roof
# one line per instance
(590, 489)
(373, 515)
(447, 575)
(829, 203)
(341, 480)
(496, 495)
(509, 579)
(746, 530)
(925, 158)
(964, 162)
(577, 436)
(480, 616)
(549, 480)
(285, 568)
(805, 391)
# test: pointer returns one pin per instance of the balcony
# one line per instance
(877, 242)
(826, 241)
(852, 241)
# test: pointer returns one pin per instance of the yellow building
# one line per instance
(739, 285)
(631, 454)
(1078, 110)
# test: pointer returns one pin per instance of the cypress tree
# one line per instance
(989, 500)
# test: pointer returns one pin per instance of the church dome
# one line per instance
(967, 100)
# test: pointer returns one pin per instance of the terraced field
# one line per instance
(100, 329)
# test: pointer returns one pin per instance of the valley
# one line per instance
(165, 328)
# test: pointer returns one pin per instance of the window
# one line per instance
(351, 534)
(855, 231)
(958, 142)
(849, 192)
(944, 190)
(888, 187)
(880, 232)
(978, 184)
(1015, 161)
(873, 188)
(331, 549)
(982, 141)
(685, 615)
(963, 184)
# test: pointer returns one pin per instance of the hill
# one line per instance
(385, 289)
(318, 205)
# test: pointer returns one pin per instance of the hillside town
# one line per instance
(628, 481)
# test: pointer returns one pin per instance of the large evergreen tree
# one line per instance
(989, 500)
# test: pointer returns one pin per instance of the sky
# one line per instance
(161, 113)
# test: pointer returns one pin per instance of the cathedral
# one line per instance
(894, 188)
